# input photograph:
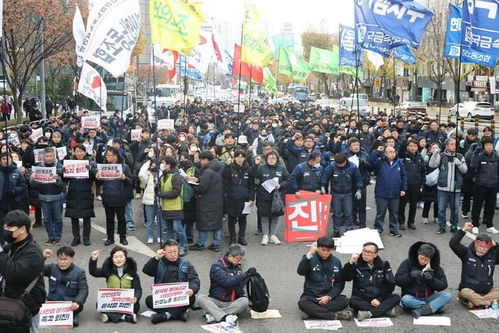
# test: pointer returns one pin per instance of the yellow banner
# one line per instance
(255, 49)
(175, 24)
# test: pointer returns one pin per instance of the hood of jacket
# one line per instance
(413, 254)
(215, 165)
(130, 266)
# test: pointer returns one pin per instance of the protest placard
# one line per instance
(166, 124)
(432, 321)
(110, 171)
(43, 174)
(115, 300)
(239, 108)
(76, 169)
(90, 122)
(36, 134)
(170, 295)
(56, 314)
(61, 153)
(328, 325)
(306, 217)
(374, 322)
(38, 154)
(486, 313)
(13, 139)
(136, 134)
(221, 327)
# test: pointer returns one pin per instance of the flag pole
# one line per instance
(394, 85)
(250, 84)
(185, 82)
(240, 69)
(277, 73)
(157, 199)
(357, 56)
(4, 72)
(154, 85)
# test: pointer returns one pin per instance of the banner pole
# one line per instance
(4, 72)
(239, 83)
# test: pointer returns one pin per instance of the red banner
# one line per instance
(306, 217)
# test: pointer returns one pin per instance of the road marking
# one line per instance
(133, 243)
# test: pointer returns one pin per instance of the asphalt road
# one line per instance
(277, 264)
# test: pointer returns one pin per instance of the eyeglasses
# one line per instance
(368, 252)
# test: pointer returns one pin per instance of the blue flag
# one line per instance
(405, 54)
(350, 52)
(453, 42)
(191, 73)
(382, 25)
(481, 26)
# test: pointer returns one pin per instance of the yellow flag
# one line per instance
(175, 24)
(255, 49)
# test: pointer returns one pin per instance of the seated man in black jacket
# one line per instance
(476, 288)
(373, 283)
(322, 288)
(67, 282)
(168, 267)
(421, 278)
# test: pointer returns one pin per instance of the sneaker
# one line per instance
(466, 216)
(304, 316)
(448, 223)
(160, 317)
(275, 240)
(401, 227)
(231, 320)
(425, 220)
(440, 231)
(258, 233)
(57, 242)
(395, 234)
(420, 205)
(137, 196)
(182, 252)
(209, 318)
(49, 242)
(130, 227)
(159, 240)
(196, 247)
(99, 198)
(131, 318)
(214, 248)
(104, 318)
(265, 240)
(475, 230)
(150, 241)
(411, 226)
(344, 315)
(183, 316)
(453, 229)
(392, 312)
(493, 230)
(361, 315)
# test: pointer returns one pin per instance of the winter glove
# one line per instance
(427, 275)
(415, 274)
(358, 195)
(457, 162)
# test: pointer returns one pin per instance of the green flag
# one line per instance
(324, 61)
(269, 81)
(301, 68)
(350, 70)
(284, 64)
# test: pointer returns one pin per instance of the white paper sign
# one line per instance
(136, 134)
(89, 148)
(13, 139)
(269, 314)
(115, 300)
(56, 314)
(328, 325)
(487, 313)
(248, 208)
(38, 154)
(90, 122)
(43, 174)
(76, 169)
(110, 171)
(36, 134)
(170, 295)
(374, 322)
(352, 241)
(221, 327)
(432, 321)
(61, 153)
(239, 109)
(166, 124)
(270, 184)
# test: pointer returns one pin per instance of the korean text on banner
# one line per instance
(306, 217)
(90, 122)
(170, 295)
(36, 134)
(166, 124)
(115, 300)
(76, 169)
(256, 48)
(56, 314)
(38, 155)
(110, 171)
(44, 175)
(479, 25)
(349, 51)
(136, 134)
(112, 31)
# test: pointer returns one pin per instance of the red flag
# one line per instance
(173, 71)
(216, 49)
(247, 70)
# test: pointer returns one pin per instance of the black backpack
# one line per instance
(257, 291)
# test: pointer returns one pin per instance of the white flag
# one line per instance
(162, 57)
(375, 58)
(112, 31)
(92, 86)
(78, 34)
(202, 55)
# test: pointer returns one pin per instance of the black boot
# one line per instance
(242, 241)
(232, 239)
(425, 310)
(75, 242)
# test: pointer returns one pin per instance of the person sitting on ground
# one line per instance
(321, 297)
(422, 278)
(168, 267)
(120, 271)
(67, 282)
(226, 298)
(373, 283)
(476, 288)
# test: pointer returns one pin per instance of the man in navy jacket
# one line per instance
(391, 184)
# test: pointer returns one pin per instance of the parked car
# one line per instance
(472, 110)
(350, 105)
(325, 102)
(412, 107)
